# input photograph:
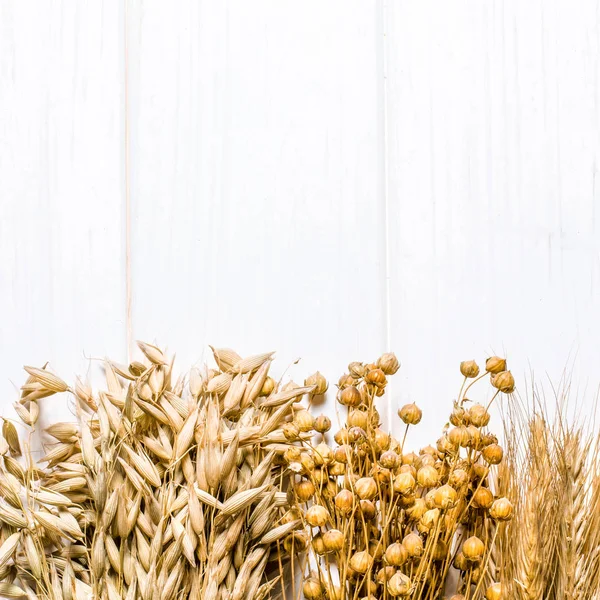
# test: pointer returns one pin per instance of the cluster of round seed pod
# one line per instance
(396, 523)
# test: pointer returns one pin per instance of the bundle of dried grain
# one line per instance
(551, 550)
(382, 522)
(161, 489)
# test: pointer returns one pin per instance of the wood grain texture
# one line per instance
(300, 181)
(257, 205)
(61, 189)
(493, 141)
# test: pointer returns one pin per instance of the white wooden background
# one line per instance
(328, 179)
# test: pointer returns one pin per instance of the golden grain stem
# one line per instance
(471, 385)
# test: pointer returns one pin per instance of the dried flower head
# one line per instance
(410, 414)
(469, 368)
(495, 364)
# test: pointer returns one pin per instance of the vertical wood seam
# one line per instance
(128, 292)
(383, 124)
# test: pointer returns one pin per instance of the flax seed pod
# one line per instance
(413, 544)
(344, 502)
(501, 509)
(410, 414)
(483, 498)
(366, 488)
(494, 592)
(396, 554)
(469, 368)
(361, 561)
(473, 549)
(388, 363)
(304, 490)
(320, 383)
(478, 415)
(317, 516)
(350, 396)
(399, 585)
(492, 454)
(333, 540)
(312, 588)
(504, 381)
(495, 365)
(427, 476)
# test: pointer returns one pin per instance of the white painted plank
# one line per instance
(493, 144)
(257, 206)
(62, 276)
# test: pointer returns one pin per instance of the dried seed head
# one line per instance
(376, 377)
(504, 381)
(385, 574)
(495, 364)
(322, 424)
(404, 483)
(341, 453)
(312, 588)
(336, 469)
(317, 516)
(382, 440)
(445, 446)
(389, 459)
(366, 488)
(319, 382)
(494, 592)
(307, 462)
(291, 431)
(460, 562)
(492, 454)
(399, 585)
(445, 497)
(429, 520)
(350, 396)
(501, 509)
(304, 421)
(48, 380)
(458, 415)
(440, 550)
(474, 437)
(297, 541)
(483, 498)
(305, 490)
(473, 549)
(361, 561)
(478, 415)
(318, 545)
(410, 414)
(388, 363)
(357, 370)
(344, 502)
(458, 478)
(428, 476)
(9, 431)
(469, 368)
(345, 380)
(333, 540)
(356, 434)
(396, 554)
(322, 454)
(479, 471)
(358, 418)
(267, 387)
(367, 509)
(413, 544)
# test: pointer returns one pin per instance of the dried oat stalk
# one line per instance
(160, 489)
